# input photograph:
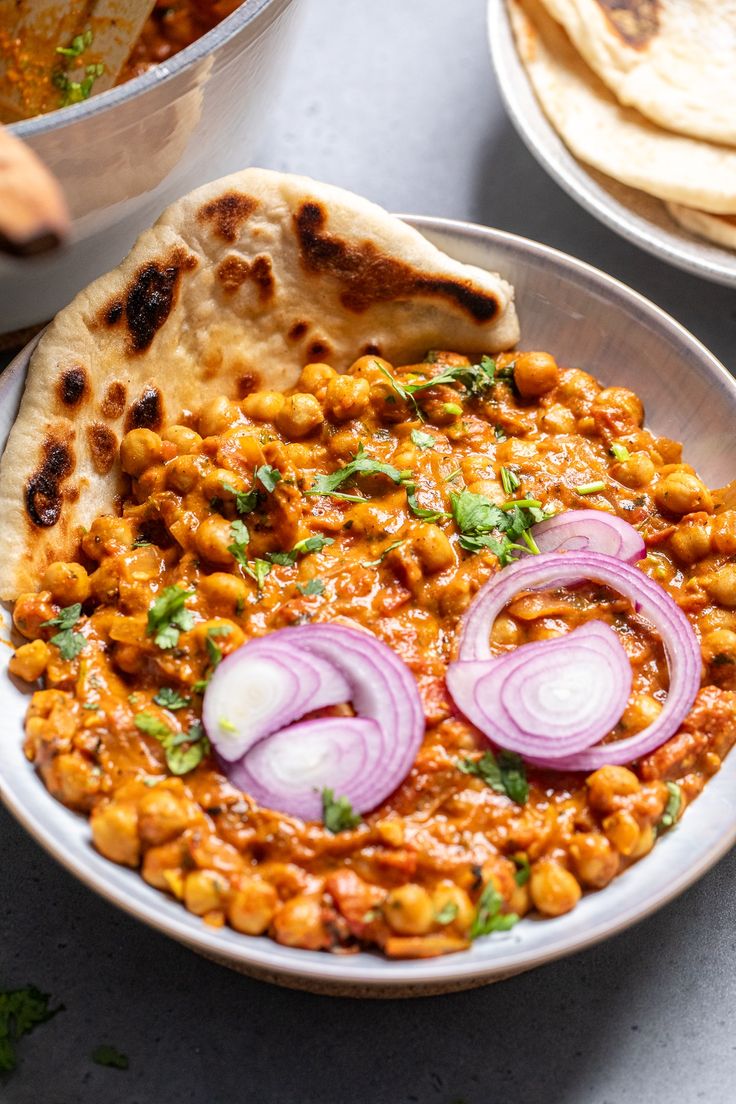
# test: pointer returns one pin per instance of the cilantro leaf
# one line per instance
(105, 1055)
(509, 481)
(423, 440)
(301, 548)
(421, 511)
(20, 1011)
(152, 726)
(215, 653)
(69, 643)
(361, 464)
(240, 539)
(504, 773)
(245, 501)
(523, 869)
(337, 813)
(447, 913)
(488, 915)
(672, 808)
(169, 698)
(167, 617)
(499, 528)
(77, 45)
(477, 379)
(314, 586)
(268, 476)
(184, 750)
(384, 554)
(258, 571)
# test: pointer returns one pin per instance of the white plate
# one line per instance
(589, 320)
(634, 215)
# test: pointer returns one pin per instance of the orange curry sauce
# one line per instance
(410, 876)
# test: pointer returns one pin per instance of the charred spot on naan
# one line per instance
(369, 276)
(43, 491)
(72, 386)
(233, 271)
(227, 213)
(147, 412)
(298, 331)
(103, 447)
(635, 21)
(148, 299)
(113, 403)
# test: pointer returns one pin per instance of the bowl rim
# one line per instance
(260, 13)
(685, 251)
(333, 973)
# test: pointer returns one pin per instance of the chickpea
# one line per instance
(520, 900)
(213, 538)
(68, 583)
(553, 889)
(263, 406)
(347, 397)
(409, 910)
(128, 658)
(315, 378)
(636, 471)
(300, 415)
(505, 630)
(72, 779)
(608, 783)
(216, 482)
(140, 448)
(721, 586)
(217, 415)
(595, 860)
(224, 594)
(719, 642)
(162, 866)
(204, 890)
(115, 832)
(30, 611)
(535, 374)
(640, 712)
(681, 492)
(344, 444)
(298, 923)
(644, 844)
(251, 908)
(369, 368)
(724, 533)
(184, 439)
(558, 419)
(692, 539)
(183, 473)
(153, 481)
(451, 899)
(162, 815)
(106, 536)
(433, 548)
(619, 406)
(622, 830)
(578, 389)
(30, 660)
(104, 583)
(371, 518)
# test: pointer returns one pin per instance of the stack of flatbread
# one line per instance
(645, 92)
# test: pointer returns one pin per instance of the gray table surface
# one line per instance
(395, 99)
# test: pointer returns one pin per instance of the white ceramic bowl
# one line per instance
(634, 215)
(588, 320)
(123, 155)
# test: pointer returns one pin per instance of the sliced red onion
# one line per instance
(269, 682)
(553, 570)
(590, 531)
(289, 770)
(264, 686)
(552, 698)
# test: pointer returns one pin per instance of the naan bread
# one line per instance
(720, 229)
(237, 286)
(614, 139)
(673, 60)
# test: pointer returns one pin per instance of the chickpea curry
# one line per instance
(386, 500)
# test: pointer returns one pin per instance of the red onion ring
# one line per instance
(552, 698)
(267, 683)
(552, 570)
(590, 531)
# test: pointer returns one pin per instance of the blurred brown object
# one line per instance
(33, 212)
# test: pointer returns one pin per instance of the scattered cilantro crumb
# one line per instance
(105, 1055)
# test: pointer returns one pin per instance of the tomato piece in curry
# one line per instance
(448, 856)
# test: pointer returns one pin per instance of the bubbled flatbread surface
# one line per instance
(673, 60)
(237, 286)
(617, 140)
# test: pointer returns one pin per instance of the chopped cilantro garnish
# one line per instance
(509, 481)
(105, 1055)
(361, 464)
(20, 1011)
(477, 379)
(620, 452)
(184, 750)
(301, 548)
(169, 698)
(421, 511)
(402, 391)
(245, 501)
(505, 773)
(68, 642)
(313, 587)
(447, 913)
(75, 91)
(337, 813)
(167, 617)
(590, 488)
(488, 916)
(499, 433)
(215, 653)
(77, 45)
(240, 539)
(672, 808)
(452, 408)
(268, 476)
(141, 542)
(258, 570)
(498, 528)
(384, 554)
(423, 440)
(523, 869)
